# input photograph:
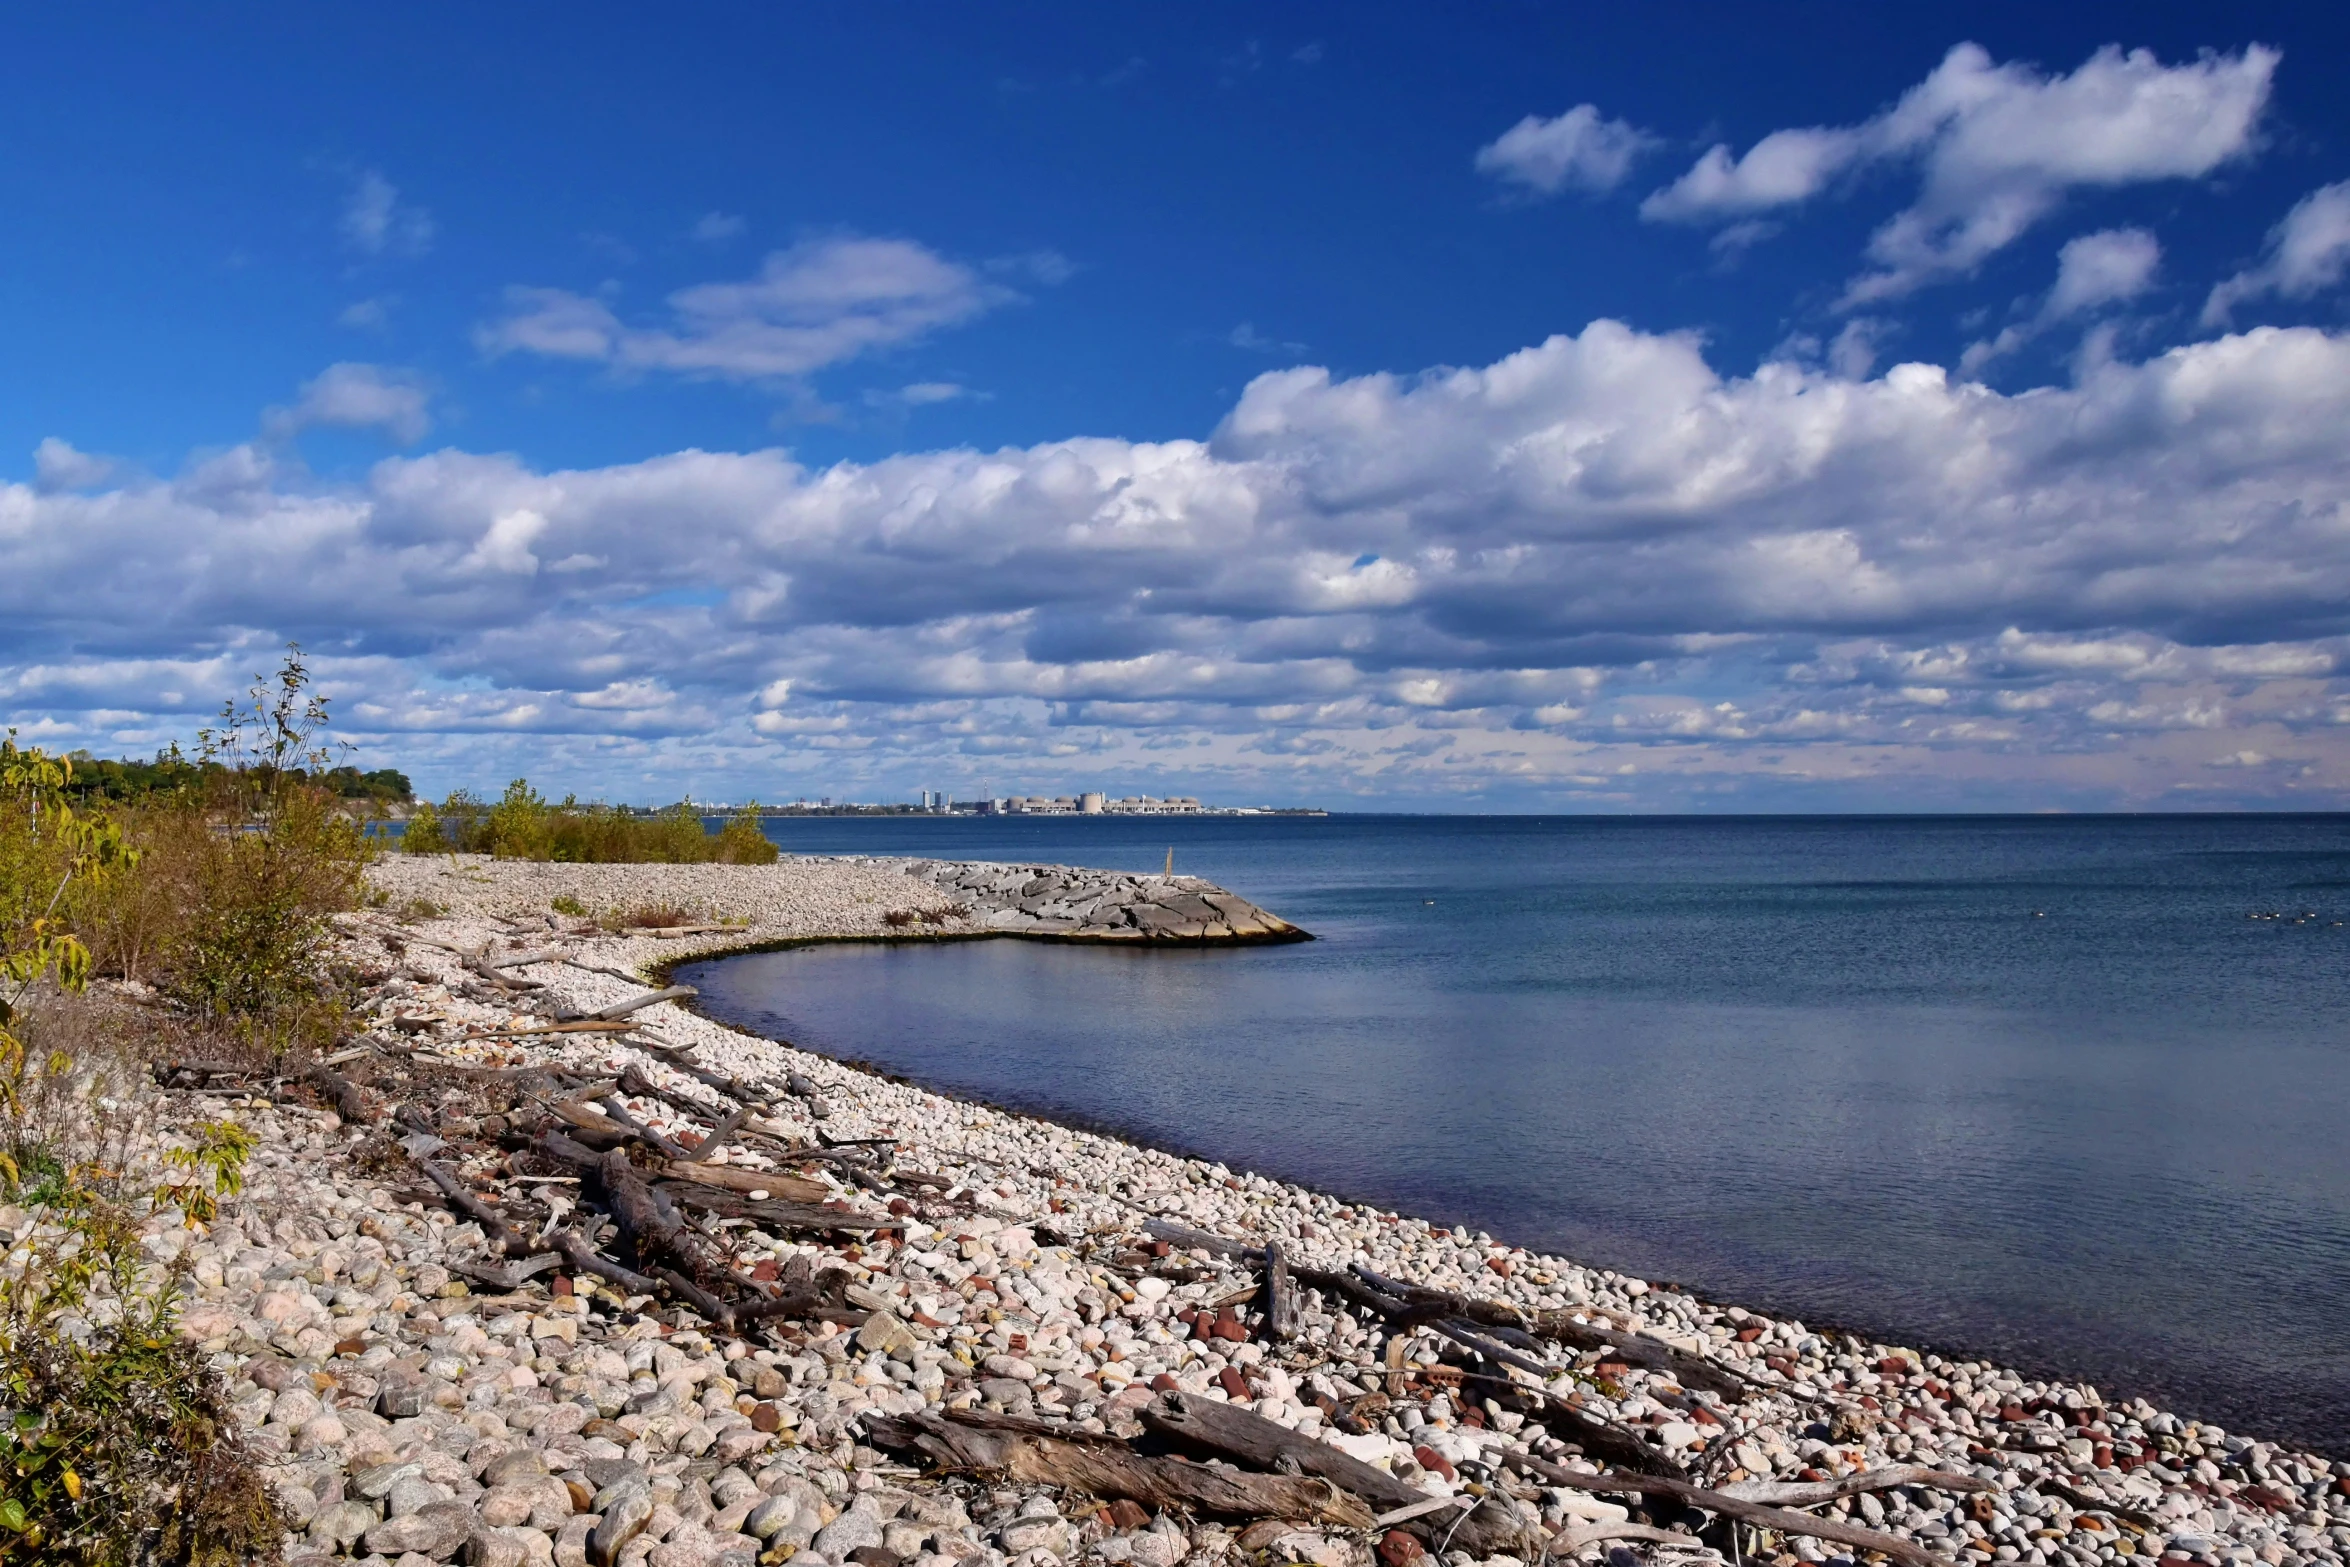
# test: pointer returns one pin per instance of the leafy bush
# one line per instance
(523, 825)
(250, 951)
(237, 872)
(115, 1445)
(115, 1441)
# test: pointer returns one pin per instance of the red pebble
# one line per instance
(1163, 1383)
(1500, 1265)
(1126, 1515)
(1398, 1549)
(1234, 1384)
(1435, 1463)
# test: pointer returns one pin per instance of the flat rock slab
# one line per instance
(1066, 903)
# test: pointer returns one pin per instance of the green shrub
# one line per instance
(522, 825)
(236, 875)
(252, 946)
(115, 1445)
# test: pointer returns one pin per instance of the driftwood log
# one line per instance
(1600, 1439)
(651, 998)
(1280, 1296)
(773, 1214)
(1234, 1433)
(1779, 1520)
(1570, 1540)
(587, 1259)
(511, 1277)
(349, 1103)
(503, 1236)
(1512, 1326)
(1113, 1470)
(1815, 1493)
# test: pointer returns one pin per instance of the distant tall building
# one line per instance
(1090, 803)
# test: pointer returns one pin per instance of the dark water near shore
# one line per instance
(2036, 1088)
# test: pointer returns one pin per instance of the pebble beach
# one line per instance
(414, 1401)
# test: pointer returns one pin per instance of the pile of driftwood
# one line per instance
(1198, 1454)
(490, 1143)
(506, 1146)
(502, 1145)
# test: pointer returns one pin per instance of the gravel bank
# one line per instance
(412, 1415)
(852, 896)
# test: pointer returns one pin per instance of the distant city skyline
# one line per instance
(1530, 408)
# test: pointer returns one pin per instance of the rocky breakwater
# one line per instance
(1088, 905)
(543, 1269)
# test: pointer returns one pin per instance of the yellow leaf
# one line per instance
(73, 1485)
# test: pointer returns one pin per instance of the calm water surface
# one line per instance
(2037, 1088)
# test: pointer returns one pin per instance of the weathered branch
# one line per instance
(709, 1305)
(1598, 1438)
(717, 1136)
(511, 1277)
(507, 1240)
(1280, 1296)
(777, 1215)
(1813, 1493)
(1507, 1322)
(1570, 1540)
(586, 1259)
(1833, 1530)
(620, 1117)
(1111, 1470)
(621, 1009)
(1251, 1439)
(349, 1103)
(779, 1185)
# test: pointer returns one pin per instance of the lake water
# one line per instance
(2037, 1088)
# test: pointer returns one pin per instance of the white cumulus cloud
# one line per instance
(2093, 271)
(2101, 269)
(1998, 146)
(1598, 552)
(1578, 150)
(2307, 253)
(358, 397)
(819, 303)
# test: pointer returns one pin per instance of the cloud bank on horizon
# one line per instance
(1606, 569)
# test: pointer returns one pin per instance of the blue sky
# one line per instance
(1698, 407)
